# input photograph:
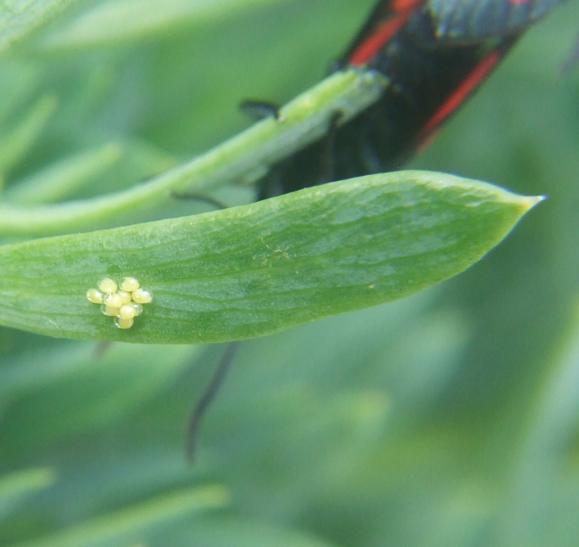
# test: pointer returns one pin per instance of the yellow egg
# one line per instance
(141, 296)
(111, 311)
(124, 323)
(94, 296)
(130, 284)
(114, 300)
(127, 312)
(108, 285)
(125, 297)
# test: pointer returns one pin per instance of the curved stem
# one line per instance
(244, 157)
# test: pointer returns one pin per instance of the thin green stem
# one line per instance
(244, 157)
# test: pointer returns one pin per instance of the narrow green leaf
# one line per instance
(16, 487)
(252, 270)
(15, 143)
(64, 178)
(113, 21)
(126, 527)
(245, 157)
(227, 531)
(18, 18)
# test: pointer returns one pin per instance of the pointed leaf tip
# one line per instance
(260, 268)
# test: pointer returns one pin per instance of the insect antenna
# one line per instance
(202, 198)
(207, 397)
(328, 156)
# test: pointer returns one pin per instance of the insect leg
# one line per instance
(258, 110)
(328, 156)
(208, 397)
(203, 198)
(102, 348)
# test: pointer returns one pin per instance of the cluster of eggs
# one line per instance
(124, 302)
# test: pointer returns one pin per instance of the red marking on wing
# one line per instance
(383, 32)
(461, 93)
(375, 42)
(399, 6)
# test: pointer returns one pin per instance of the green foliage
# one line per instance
(18, 18)
(128, 525)
(66, 177)
(122, 21)
(246, 157)
(253, 270)
(446, 418)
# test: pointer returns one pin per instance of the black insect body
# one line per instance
(435, 54)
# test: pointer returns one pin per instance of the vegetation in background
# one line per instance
(448, 418)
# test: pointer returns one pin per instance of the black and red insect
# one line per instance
(435, 54)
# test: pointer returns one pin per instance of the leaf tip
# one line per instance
(533, 200)
(519, 204)
(528, 202)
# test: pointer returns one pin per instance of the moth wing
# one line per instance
(457, 21)
(384, 21)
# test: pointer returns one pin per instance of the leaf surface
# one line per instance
(260, 268)
(18, 18)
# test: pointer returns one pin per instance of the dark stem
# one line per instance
(207, 398)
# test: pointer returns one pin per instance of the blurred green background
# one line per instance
(450, 418)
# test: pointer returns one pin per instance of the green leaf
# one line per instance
(227, 531)
(94, 397)
(256, 269)
(16, 487)
(16, 143)
(246, 157)
(127, 526)
(63, 178)
(18, 18)
(114, 21)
